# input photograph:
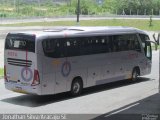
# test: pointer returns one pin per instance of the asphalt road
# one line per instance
(94, 101)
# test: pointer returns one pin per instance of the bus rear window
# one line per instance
(20, 42)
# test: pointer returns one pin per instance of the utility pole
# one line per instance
(78, 11)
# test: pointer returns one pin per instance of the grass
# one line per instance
(141, 24)
(1, 72)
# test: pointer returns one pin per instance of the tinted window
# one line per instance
(143, 39)
(54, 48)
(20, 42)
(95, 45)
(126, 42)
(72, 46)
(63, 47)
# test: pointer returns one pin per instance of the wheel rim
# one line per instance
(76, 87)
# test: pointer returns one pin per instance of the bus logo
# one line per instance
(26, 74)
(66, 68)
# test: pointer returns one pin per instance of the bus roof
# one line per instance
(62, 32)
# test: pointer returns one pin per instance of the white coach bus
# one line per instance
(72, 58)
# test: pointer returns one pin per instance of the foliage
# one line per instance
(140, 7)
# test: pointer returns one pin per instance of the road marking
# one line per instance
(118, 111)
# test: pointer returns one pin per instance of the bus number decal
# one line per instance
(26, 74)
(12, 54)
(66, 69)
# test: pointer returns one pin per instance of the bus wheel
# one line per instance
(135, 74)
(76, 87)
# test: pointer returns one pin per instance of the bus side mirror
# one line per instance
(157, 41)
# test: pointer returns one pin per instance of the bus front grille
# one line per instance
(19, 62)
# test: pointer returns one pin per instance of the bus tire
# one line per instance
(135, 74)
(76, 87)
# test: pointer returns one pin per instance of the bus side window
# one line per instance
(104, 42)
(133, 43)
(85, 46)
(59, 49)
(108, 43)
(143, 39)
(72, 47)
(116, 43)
(137, 46)
(96, 45)
(49, 47)
(125, 43)
(100, 44)
(54, 48)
